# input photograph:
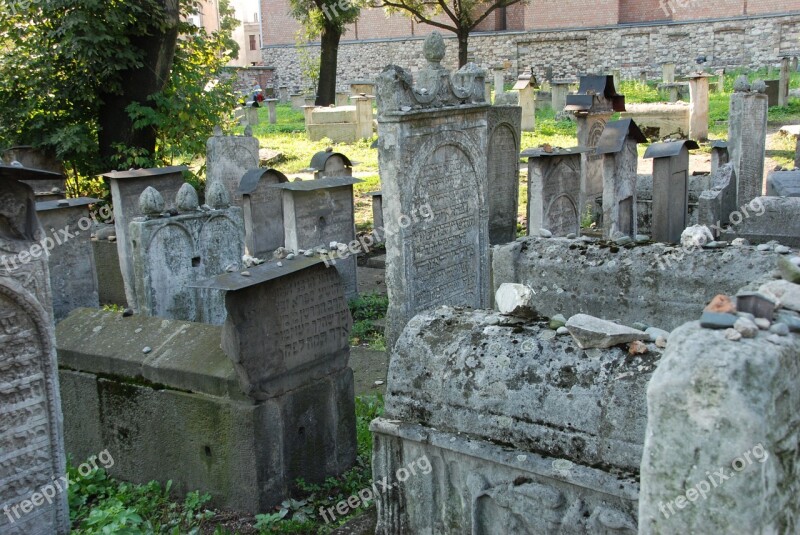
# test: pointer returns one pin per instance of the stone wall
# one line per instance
(751, 41)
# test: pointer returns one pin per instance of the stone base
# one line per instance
(660, 120)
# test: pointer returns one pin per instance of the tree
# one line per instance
(465, 15)
(328, 20)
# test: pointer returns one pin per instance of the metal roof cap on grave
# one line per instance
(251, 178)
(526, 79)
(320, 183)
(539, 152)
(268, 271)
(141, 173)
(719, 144)
(592, 86)
(319, 159)
(669, 149)
(613, 137)
(18, 172)
(378, 193)
(43, 206)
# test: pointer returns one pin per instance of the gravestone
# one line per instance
(719, 154)
(747, 137)
(228, 158)
(715, 206)
(554, 190)
(126, 188)
(432, 151)
(558, 94)
(526, 86)
(720, 80)
(668, 72)
(73, 275)
(783, 184)
(503, 173)
(31, 436)
(327, 163)
(698, 106)
(33, 158)
(593, 105)
(283, 94)
(499, 80)
(783, 87)
(262, 208)
(772, 92)
(377, 209)
(172, 253)
(272, 110)
(318, 212)
(362, 87)
(617, 145)
(670, 189)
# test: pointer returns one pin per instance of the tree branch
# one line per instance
(420, 17)
(494, 6)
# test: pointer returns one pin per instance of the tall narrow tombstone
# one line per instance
(432, 153)
(126, 188)
(617, 74)
(503, 173)
(272, 110)
(719, 154)
(558, 92)
(318, 212)
(487, 90)
(783, 89)
(171, 254)
(228, 158)
(327, 163)
(554, 190)
(617, 146)
(262, 208)
(377, 211)
(593, 105)
(526, 86)
(714, 206)
(363, 115)
(698, 107)
(670, 189)
(73, 276)
(747, 138)
(668, 72)
(283, 94)
(31, 437)
(499, 80)
(720, 80)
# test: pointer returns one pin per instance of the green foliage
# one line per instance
(365, 309)
(636, 91)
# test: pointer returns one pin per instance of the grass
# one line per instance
(366, 310)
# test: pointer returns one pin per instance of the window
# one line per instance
(252, 42)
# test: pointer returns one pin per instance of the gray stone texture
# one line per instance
(171, 254)
(73, 276)
(31, 436)
(619, 191)
(715, 205)
(110, 286)
(554, 191)
(660, 285)
(747, 140)
(533, 435)
(670, 194)
(228, 158)
(783, 184)
(644, 199)
(715, 404)
(503, 172)
(262, 208)
(126, 188)
(770, 218)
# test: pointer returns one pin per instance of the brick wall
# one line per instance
(631, 11)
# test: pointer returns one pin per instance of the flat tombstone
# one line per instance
(73, 277)
(126, 188)
(503, 173)
(554, 190)
(699, 106)
(283, 94)
(670, 189)
(31, 437)
(747, 138)
(719, 155)
(228, 158)
(263, 211)
(783, 184)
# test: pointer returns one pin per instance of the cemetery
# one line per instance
(482, 299)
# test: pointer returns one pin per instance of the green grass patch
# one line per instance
(366, 309)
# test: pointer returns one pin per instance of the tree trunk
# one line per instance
(326, 87)
(116, 126)
(463, 37)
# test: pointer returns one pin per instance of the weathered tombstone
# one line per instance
(643, 77)
(783, 184)
(715, 206)
(526, 86)
(747, 138)
(362, 87)
(793, 64)
(31, 437)
(318, 212)
(363, 115)
(377, 210)
(773, 91)
(720, 80)
(327, 163)
(298, 100)
(228, 158)
(342, 98)
(698, 107)
(73, 276)
(499, 80)
(487, 90)
(558, 92)
(283, 94)
(783, 89)
(593, 105)
(262, 209)
(554, 190)
(673, 90)
(668, 72)
(250, 116)
(173, 253)
(670, 189)
(432, 151)
(617, 145)
(617, 74)
(719, 154)
(273, 112)
(503, 172)
(126, 188)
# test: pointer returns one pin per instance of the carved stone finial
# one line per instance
(151, 203)
(434, 48)
(217, 130)
(186, 200)
(217, 196)
(759, 86)
(741, 85)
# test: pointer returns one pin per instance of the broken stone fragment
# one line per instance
(557, 321)
(733, 335)
(762, 323)
(515, 300)
(590, 332)
(655, 332)
(696, 236)
(747, 327)
(756, 303)
(789, 270)
(786, 293)
(715, 320)
(661, 342)
(637, 348)
(781, 329)
(721, 304)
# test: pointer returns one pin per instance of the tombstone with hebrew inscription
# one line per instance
(228, 158)
(263, 211)
(670, 189)
(31, 435)
(432, 150)
(503, 173)
(554, 190)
